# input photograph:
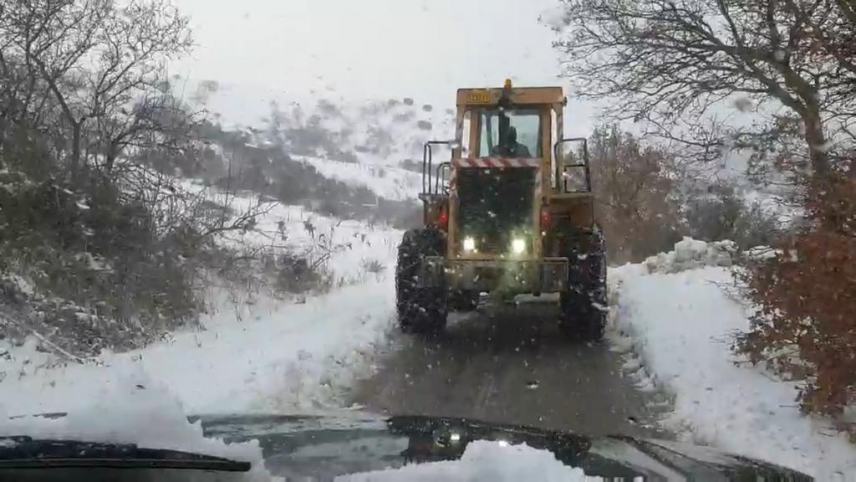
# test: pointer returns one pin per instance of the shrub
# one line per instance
(298, 274)
(372, 266)
(99, 252)
(806, 296)
(99, 272)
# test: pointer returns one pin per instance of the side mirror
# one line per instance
(428, 167)
(572, 167)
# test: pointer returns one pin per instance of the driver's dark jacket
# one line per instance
(514, 150)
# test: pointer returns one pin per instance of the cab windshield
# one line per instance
(510, 133)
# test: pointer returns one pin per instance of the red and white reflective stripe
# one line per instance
(490, 162)
(493, 162)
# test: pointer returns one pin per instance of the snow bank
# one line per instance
(691, 253)
(285, 358)
(676, 316)
(482, 461)
(268, 356)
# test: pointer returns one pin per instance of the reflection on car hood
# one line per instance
(322, 448)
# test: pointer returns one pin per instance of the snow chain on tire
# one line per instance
(583, 305)
(420, 310)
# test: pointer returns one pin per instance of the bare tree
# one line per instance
(672, 60)
(51, 38)
(127, 93)
(99, 63)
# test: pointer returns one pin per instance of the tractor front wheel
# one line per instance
(464, 300)
(420, 309)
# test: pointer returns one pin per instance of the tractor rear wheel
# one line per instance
(583, 306)
(420, 309)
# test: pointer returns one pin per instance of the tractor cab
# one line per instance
(512, 211)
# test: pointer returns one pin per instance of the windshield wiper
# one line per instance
(22, 452)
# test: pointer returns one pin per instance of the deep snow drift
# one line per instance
(675, 315)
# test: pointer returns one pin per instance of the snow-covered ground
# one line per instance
(287, 358)
(269, 355)
(272, 357)
(675, 317)
(350, 244)
(260, 354)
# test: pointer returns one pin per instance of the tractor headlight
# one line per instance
(518, 245)
(469, 244)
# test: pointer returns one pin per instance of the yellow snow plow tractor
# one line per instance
(510, 213)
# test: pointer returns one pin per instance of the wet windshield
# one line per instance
(514, 133)
(632, 217)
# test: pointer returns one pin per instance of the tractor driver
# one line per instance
(511, 148)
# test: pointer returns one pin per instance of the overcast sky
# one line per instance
(366, 49)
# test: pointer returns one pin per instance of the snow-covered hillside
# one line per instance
(377, 145)
(351, 245)
(387, 181)
(388, 132)
(381, 132)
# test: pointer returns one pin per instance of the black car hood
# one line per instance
(323, 447)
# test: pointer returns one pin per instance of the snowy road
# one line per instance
(510, 366)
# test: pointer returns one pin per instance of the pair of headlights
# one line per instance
(518, 245)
